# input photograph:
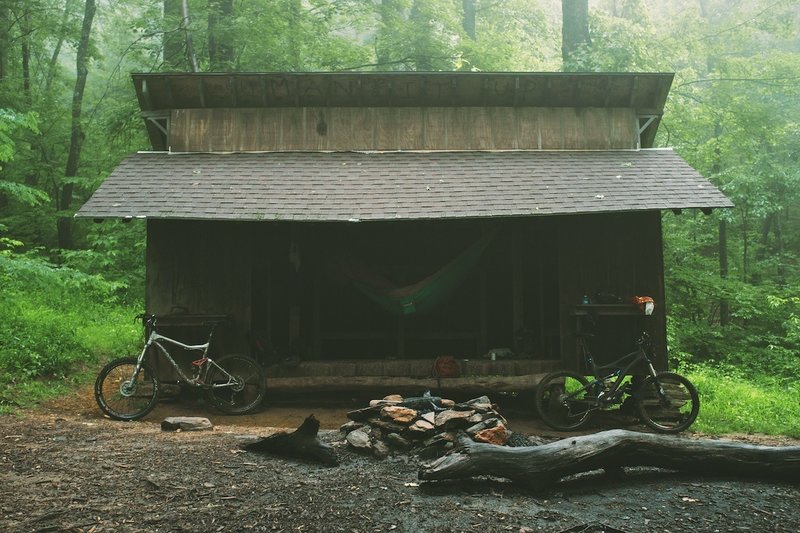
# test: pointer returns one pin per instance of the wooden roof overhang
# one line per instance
(158, 93)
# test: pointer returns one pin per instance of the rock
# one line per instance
(394, 439)
(393, 398)
(480, 426)
(440, 439)
(359, 439)
(401, 415)
(495, 435)
(347, 427)
(482, 404)
(380, 449)
(448, 404)
(386, 426)
(476, 418)
(381, 403)
(186, 423)
(429, 417)
(450, 418)
(420, 427)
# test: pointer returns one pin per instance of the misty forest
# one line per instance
(68, 115)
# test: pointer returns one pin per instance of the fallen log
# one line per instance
(541, 466)
(302, 443)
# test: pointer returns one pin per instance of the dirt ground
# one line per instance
(63, 467)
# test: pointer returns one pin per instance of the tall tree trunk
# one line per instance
(295, 11)
(389, 14)
(779, 249)
(724, 308)
(26, 55)
(77, 135)
(745, 244)
(468, 20)
(574, 30)
(422, 60)
(173, 43)
(220, 48)
(191, 56)
(722, 243)
(62, 34)
(4, 40)
(716, 167)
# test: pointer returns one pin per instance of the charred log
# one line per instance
(302, 443)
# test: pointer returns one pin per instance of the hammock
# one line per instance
(421, 296)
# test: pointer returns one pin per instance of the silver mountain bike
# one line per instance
(128, 388)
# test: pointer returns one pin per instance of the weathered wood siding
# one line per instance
(620, 254)
(201, 268)
(402, 128)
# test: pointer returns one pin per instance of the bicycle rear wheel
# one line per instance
(673, 411)
(563, 400)
(122, 396)
(243, 392)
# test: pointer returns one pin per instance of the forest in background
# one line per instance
(68, 115)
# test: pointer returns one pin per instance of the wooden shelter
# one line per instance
(368, 224)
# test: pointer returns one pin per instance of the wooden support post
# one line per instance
(517, 283)
(317, 336)
(295, 286)
(483, 304)
(270, 297)
(401, 337)
(483, 335)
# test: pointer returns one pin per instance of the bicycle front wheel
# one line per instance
(236, 384)
(123, 396)
(671, 411)
(563, 400)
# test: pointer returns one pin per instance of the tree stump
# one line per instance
(540, 466)
(302, 443)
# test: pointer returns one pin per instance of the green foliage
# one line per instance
(734, 115)
(116, 253)
(734, 402)
(9, 122)
(619, 44)
(511, 35)
(56, 320)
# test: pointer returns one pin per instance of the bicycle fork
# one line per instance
(662, 395)
(128, 388)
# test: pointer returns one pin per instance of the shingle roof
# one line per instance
(348, 186)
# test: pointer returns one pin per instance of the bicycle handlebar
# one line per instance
(206, 320)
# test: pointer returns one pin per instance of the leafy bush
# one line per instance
(56, 321)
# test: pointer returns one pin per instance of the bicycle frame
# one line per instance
(203, 364)
(640, 354)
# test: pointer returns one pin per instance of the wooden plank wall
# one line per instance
(202, 268)
(620, 254)
(407, 128)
